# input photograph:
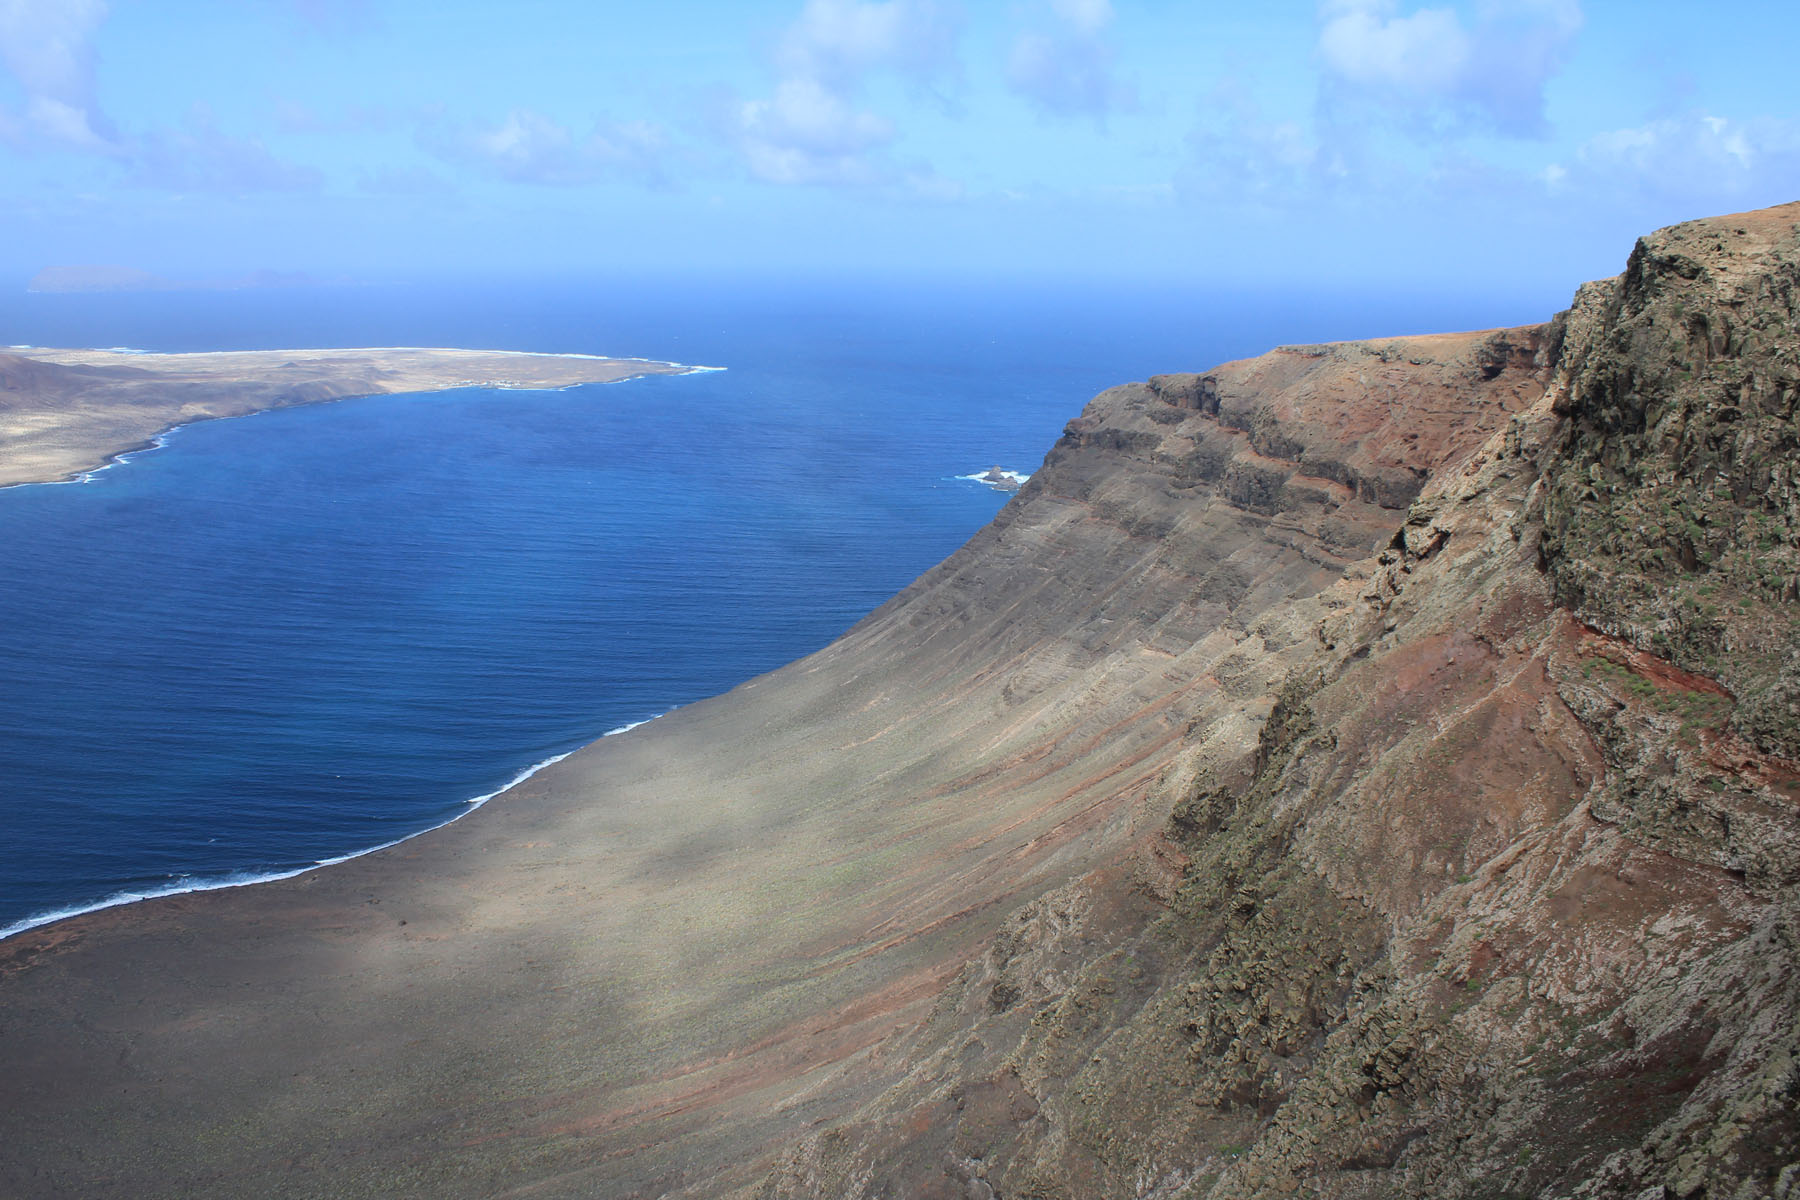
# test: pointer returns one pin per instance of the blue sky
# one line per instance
(1342, 143)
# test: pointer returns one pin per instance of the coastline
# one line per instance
(121, 457)
(238, 879)
(115, 457)
(628, 922)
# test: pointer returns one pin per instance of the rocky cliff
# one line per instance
(1365, 770)
(1501, 902)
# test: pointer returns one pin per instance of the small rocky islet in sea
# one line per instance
(997, 476)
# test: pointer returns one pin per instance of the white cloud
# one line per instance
(1426, 52)
(1239, 157)
(1064, 66)
(1706, 160)
(1433, 73)
(807, 133)
(927, 184)
(837, 41)
(1441, 70)
(814, 127)
(1085, 17)
(47, 45)
(529, 147)
(200, 157)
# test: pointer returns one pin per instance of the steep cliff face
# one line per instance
(1672, 521)
(1503, 902)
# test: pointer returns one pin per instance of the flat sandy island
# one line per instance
(63, 412)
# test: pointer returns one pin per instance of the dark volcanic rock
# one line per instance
(1676, 520)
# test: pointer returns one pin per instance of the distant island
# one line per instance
(109, 277)
(65, 412)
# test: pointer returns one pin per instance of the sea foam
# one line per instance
(999, 479)
(156, 443)
(183, 884)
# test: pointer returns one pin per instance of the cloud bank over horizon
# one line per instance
(1138, 138)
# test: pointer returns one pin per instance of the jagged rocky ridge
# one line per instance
(1500, 902)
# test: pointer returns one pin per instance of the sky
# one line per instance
(1517, 144)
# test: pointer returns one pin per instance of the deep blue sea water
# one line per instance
(291, 637)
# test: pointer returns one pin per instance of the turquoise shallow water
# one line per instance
(291, 637)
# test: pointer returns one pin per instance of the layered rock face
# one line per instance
(1502, 901)
(1327, 777)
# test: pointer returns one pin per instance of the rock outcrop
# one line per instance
(1364, 770)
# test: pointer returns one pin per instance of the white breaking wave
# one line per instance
(996, 477)
(635, 724)
(232, 879)
(477, 802)
(156, 443)
(189, 883)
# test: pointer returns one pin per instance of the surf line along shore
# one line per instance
(65, 413)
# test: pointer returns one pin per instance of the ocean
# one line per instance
(285, 639)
